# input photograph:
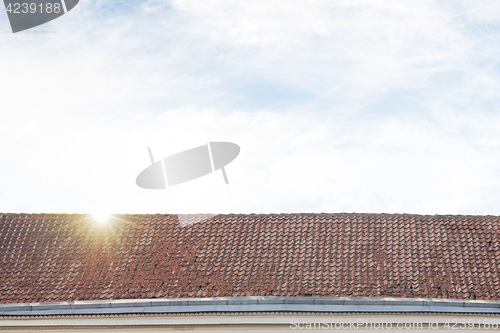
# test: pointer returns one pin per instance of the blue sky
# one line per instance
(338, 106)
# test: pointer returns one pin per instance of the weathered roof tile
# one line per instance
(60, 257)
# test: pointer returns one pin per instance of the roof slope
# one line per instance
(60, 257)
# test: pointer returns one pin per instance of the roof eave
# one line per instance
(252, 304)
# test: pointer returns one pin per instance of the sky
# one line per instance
(387, 106)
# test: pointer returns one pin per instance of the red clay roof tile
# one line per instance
(59, 257)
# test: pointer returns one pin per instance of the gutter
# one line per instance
(253, 304)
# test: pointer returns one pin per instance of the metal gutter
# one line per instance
(253, 304)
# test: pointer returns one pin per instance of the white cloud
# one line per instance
(400, 114)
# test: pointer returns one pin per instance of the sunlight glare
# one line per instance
(101, 217)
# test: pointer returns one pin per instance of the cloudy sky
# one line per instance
(338, 106)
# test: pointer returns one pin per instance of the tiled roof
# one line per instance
(59, 257)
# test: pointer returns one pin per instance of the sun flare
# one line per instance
(101, 217)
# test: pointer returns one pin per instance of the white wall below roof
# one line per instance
(276, 322)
